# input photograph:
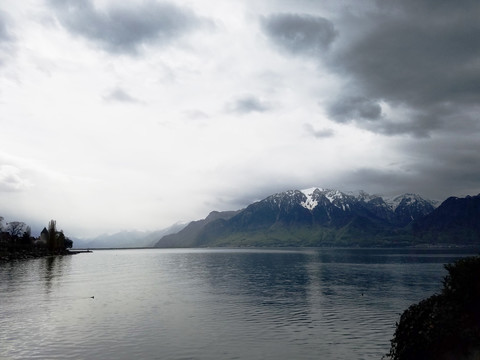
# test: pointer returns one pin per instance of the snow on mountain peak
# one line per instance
(395, 201)
(341, 199)
(310, 203)
(312, 196)
(333, 195)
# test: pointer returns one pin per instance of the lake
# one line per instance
(213, 303)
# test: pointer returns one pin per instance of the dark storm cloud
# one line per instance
(299, 33)
(126, 29)
(435, 168)
(420, 55)
(248, 104)
(355, 108)
(120, 95)
(373, 180)
(448, 163)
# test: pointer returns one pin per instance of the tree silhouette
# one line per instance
(446, 325)
(52, 234)
(16, 241)
(16, 228)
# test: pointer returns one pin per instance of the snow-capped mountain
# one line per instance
(401, 209)
(309, 217)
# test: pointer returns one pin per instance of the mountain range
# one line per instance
(325, 217)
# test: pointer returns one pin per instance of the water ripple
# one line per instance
(209, 304)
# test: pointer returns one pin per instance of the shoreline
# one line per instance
(35, 254)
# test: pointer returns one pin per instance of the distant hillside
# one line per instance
(314, 217)
(188, 235)
(455, 221)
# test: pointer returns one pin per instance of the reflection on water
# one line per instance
(45, 271)
(213, 304)
(52, 269)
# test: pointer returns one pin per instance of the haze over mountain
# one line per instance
(126, 239)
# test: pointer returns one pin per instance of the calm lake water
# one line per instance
(213, 304)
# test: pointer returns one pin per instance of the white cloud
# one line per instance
(11, 179)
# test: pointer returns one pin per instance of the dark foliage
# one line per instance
(444, 326)
(16, 242)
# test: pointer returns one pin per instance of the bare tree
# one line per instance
(16, 228)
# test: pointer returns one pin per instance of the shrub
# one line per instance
(444, 326)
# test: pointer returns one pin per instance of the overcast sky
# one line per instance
(138, 114)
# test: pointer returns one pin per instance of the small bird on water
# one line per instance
(92, 297)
